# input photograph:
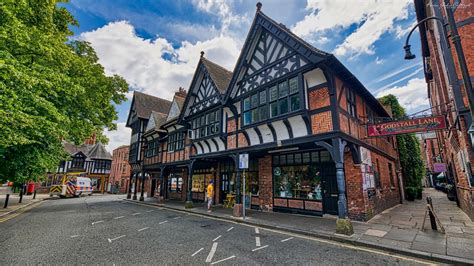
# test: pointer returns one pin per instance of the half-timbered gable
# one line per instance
(203, 106)
(140, 111)
(153, 134)
(267, 96)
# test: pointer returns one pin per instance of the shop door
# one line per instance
(330, 193)
(225, 187)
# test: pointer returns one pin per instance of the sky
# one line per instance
(155, 44)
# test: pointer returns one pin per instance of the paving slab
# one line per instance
(377, 233)
(401, 235)
(429, 247)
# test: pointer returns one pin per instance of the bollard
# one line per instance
(6, 201)
(432, 218)
(34, 194)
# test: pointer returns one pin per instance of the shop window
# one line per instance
(297, 181)
(152, 148)
(175, 183)
(351, 102)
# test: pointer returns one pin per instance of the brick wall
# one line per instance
(319, 98)
(360, 206)
(265, 181)
(321, 122)
(231, 137)
(242, 141)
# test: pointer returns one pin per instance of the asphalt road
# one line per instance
(108, 230)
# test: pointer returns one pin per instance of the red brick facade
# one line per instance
(455, 146)
(120, 169)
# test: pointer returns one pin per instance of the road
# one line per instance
(108, 230)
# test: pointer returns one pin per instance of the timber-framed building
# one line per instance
(298, 113)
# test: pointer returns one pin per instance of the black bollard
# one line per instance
(6, 201)
(432, 218)
(34, 194)
(21, 195)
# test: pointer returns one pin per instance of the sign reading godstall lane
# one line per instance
(407, 126)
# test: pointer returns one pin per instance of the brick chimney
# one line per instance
(91, 140)
(181, 92)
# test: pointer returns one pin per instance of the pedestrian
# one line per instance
(210, 195)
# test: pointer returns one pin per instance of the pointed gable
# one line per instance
(156, 121)
(270, 51)
(143, 104)
(209, 83)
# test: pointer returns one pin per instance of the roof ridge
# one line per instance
(217, 65)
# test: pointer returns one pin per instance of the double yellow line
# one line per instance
(15, 213)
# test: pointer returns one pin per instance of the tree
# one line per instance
(52, 88)
(409, 152)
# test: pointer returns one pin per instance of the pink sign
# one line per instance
(439, 167)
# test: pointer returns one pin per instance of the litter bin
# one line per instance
(30, 189)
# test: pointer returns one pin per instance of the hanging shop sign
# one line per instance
(421, 124)
(439, 167)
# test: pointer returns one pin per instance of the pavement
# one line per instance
(109, 230)
(395, 230)
(14, 202)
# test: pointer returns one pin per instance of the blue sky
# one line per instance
(155, 44)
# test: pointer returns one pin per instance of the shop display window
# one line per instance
(298, 175)
(298, 181)
(175, 183)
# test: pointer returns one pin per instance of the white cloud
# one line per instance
(400, 32)
(373, 18)
(413, 96)
(118, 137)
(224, 12)
(412, 74)
(140, 61)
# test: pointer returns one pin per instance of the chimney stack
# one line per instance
(181, 92)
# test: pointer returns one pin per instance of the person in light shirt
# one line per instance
(210, 195)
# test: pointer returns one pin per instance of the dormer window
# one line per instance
(78, 162)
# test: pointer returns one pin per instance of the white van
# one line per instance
(83, 186)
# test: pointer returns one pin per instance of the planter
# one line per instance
(451, 195)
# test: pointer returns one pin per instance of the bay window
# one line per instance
(207, 124)
(276, 100)
(176, 141)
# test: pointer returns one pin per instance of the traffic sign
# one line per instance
(244, 161)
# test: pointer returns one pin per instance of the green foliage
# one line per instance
(409, 152)
(52, 88)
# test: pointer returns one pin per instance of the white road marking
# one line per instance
(97, 222)
(211, 253)
(149, 211)
(137, 213)
(256, 230)
(144, 228)
(195, 253)
(74, 236)
(163, 222)
(257, 241)
(289, 238)
(255, 249)
(230, 229)
(119, 217)
(177, 217)
(215, 262)
(216, 238)
(113, 239)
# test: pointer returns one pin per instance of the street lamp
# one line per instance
(461, 60)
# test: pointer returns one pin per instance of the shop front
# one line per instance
(304, 182)
(174, 184)
(200, 180)
(228, 183)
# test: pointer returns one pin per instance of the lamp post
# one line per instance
(456, 40)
